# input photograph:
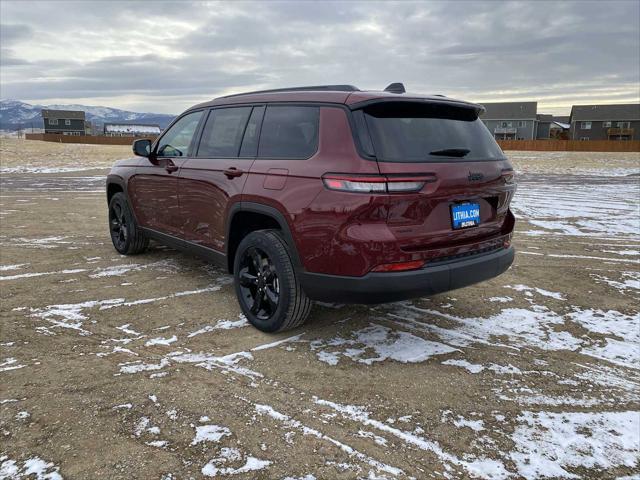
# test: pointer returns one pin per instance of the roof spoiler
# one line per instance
(397, 87)
(433, 100)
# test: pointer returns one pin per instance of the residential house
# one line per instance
(605, 122)
(544, 121)
(511, 120)
(131, 130)
(551, 127)
(64, 122)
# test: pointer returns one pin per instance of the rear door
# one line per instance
(154, 187)
(213, 179)
(464, 168)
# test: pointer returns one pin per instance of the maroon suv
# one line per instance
(323, 193)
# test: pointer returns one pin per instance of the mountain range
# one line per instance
(17, 115)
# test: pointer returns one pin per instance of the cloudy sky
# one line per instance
(165, 56)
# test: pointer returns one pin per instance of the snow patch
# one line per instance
(217, 466)
(377, 343)
(210, 433)
(549, 444)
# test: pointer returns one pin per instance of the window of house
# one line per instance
(623, 124)
(506, 124)
(175, 142)
(585, 125)
(53, 121)
(521, 124)
(584, 138)
(606, 124)
(289, 132)
(222, 134)
(67, 122)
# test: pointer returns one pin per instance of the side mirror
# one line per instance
(142, 147)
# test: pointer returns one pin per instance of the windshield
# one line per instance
(419, 132)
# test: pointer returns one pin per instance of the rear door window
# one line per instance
(289, 132)
(418, 132)
(223, 131)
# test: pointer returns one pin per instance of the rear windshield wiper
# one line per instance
(451, 152)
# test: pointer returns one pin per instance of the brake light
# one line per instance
(375, 183)
(399, 267)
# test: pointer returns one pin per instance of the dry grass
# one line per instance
(572, 162)
(18, 152)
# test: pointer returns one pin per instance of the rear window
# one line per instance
(416, 132)
(223, 132)
(289, 132)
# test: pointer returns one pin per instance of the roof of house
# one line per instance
(562, 125)
(341, 94)
(510, 110)
(562, 118)
(545, 118)
(623, 111)
(63, 114)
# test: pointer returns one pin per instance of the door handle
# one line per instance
(232, 172)
(171, 167)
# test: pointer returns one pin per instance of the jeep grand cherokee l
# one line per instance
(322, 193)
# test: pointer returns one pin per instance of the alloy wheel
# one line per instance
(118, 226)
(259, 283)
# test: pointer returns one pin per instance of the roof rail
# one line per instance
(333, 88)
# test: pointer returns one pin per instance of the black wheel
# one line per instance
(127, 238)
(268, 290)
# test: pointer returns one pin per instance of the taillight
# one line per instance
(375, 183)
(399, 267)
(355, 184)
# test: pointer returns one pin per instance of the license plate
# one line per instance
(465, 215)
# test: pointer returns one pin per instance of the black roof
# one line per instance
(510, 110)
(623, 111)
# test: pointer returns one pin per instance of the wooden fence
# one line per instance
(88, 139)
(571, 145)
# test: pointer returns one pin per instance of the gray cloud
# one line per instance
(164, 56)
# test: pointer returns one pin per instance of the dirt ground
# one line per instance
(116, 367)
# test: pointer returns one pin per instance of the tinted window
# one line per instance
(175, 142)
(223, 132)
(408, 132)
(251, 134)
(289, 132)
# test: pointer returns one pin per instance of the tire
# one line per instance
(262, 261)
(126, 236)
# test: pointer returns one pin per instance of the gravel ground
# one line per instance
(143, 367)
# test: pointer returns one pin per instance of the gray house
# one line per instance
(511, 120)
(544, 122)
(551, 127)
(605, 122)
(64, 122)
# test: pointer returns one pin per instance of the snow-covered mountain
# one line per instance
(16, 115)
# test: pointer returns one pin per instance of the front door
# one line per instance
(154, 188)
(213, 178)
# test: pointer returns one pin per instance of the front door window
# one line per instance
(175, 142)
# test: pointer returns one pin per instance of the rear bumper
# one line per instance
(390, 287)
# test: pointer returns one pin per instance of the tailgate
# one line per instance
(423, 220)
(450, 147)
